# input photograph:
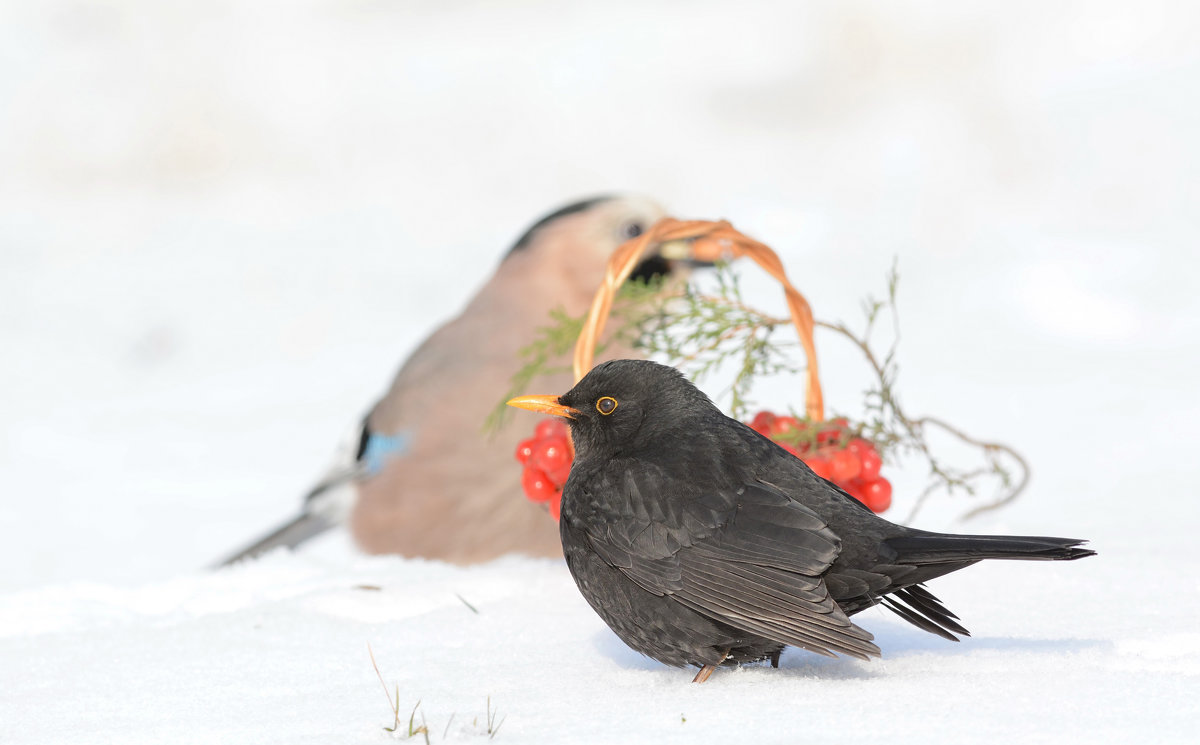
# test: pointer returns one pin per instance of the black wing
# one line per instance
(749, 556)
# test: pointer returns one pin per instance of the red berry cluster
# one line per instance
(830, 449)
(833, 452)
(547, 460)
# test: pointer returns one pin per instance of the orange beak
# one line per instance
(544, 405)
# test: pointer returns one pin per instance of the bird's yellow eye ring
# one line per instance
(606, 405)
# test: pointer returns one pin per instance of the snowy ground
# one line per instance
(223, 224)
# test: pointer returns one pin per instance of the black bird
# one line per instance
(701, 542)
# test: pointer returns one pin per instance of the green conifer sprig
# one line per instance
(700, 333)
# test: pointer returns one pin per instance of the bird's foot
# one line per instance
(775, 658)
(707, 670)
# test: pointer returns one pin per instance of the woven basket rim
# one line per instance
(710, 239)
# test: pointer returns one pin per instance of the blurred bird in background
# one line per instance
(420, 478)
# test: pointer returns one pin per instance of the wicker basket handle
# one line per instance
(710, 241)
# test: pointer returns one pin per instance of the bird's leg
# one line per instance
(707, 670)
(775, 657)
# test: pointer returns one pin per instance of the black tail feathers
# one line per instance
(931, 555)
(938, 548)
(919, 607)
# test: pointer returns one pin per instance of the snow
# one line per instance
(223, 224)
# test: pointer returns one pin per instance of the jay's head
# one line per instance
(581, 237)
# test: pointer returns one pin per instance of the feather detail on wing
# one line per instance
(751, 557)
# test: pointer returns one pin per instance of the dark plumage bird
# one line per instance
(701, 542)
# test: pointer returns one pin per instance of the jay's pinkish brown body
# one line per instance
(438, 486)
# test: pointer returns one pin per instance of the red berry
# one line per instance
(854, 489)
(556, 505)
(845, 465)
(550, 428)
(525, 449)
(820, 466)
(559, 477)
(869, 457)
(784, 425)
(877, 494)
(762, 421)
(537, 485)
(551, 455)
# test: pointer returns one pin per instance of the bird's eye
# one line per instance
(606, 405)
(632, 229)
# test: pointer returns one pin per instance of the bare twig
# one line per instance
(989, 447)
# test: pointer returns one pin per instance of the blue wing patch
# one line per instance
(379, 449)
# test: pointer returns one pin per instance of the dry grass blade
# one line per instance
(492, 726)
(395, 707)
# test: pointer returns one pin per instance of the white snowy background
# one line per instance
(223, 224)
